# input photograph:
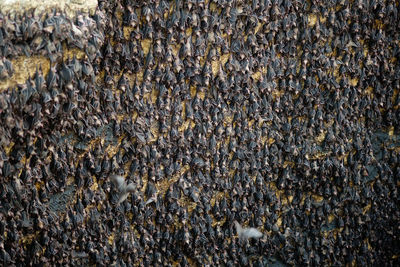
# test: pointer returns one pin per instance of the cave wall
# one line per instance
(282, 115)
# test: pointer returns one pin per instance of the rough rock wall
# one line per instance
(282, 115)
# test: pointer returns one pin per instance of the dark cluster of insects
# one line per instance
(279, 115)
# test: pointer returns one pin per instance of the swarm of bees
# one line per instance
(214, 132)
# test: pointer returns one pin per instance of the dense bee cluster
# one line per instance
(281, 115)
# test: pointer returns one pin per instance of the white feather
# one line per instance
(118, 181)
(130, 188)
(251, 233)
(247, 233)
(123, 188)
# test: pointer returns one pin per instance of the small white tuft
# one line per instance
(123, 188)
(247, 233)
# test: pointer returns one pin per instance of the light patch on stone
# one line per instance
(312, 20)
(317, 198)
(24, 68)
(146, 45)
(73, 52)
(215, 67)
(354, 82)
(69, 6)
(256, 76)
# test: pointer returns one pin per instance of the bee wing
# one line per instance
(118, 181)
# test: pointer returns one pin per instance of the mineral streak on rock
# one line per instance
(15, 7)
